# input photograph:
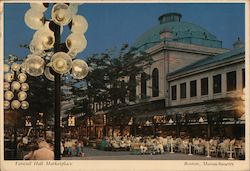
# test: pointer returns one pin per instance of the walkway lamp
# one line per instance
(15, 91)
(51, 57)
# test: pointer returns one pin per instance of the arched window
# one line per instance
(132, 88)
(143, 86)
(155, 83)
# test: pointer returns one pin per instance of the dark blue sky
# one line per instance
(111, 25)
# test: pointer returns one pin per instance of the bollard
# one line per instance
(171, 146)
(231, 153)
(190, 149)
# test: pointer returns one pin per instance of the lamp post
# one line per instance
(50, 56)
(15, 90)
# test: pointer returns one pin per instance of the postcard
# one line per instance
(124, 85)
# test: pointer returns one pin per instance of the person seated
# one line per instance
(103, 144)
(115, 145)
(122, 144)
(159, 147)
(143, 148)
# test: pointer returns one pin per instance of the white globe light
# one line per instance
(33, 19)
(24, 87)
(61, 14)
(36, 47)
(22, 77)
(79, 24)
(61, 62)
(22, 95)
(6, 86)
(15, 66)
(15, 104)
(9, 77)
(15, 85)
(8, 95)
(38, 7)
(79, 69)
(6, 104)
(48, 75)
(6, 68)
(24, 105)
(76, 42)
(44, 37)
(34, 65)
(23, 68)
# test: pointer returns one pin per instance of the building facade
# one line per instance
(195, 83)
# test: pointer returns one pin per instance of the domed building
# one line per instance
(171, 28)
(196, 85)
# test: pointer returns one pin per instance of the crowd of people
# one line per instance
(72, 147)
(34, 145)
(219, 147)
(30, 144)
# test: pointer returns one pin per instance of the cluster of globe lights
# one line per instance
(14, 83)
(42, 57)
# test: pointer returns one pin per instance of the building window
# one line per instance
(143, 86)
(96, 107)
(155, 83)
(193, 88)
(204, 86)
(231, 81)
(173, 92)
(243, 78)
(217, 83)
(183, 90)
(132, 88)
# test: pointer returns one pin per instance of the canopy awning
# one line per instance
(216, 106)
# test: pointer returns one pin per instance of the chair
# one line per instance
(231, 149)
(135, 148)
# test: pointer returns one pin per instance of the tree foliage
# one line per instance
(108, 80)
(40, 97)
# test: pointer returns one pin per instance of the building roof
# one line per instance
(180, 31)
(210, 60)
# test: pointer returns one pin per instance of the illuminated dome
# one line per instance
(171, 28)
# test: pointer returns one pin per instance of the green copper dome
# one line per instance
(171, 28)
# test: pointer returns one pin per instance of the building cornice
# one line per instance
(183, 47)
(206, 68)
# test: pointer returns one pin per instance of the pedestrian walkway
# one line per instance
(94, 154)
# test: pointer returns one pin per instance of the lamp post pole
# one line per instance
(57, 96)
(61, 61)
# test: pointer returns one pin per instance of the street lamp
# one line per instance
(15, 90)
(50, 56)
(15, 87)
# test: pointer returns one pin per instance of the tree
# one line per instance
(40, 98)
(108, 81)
